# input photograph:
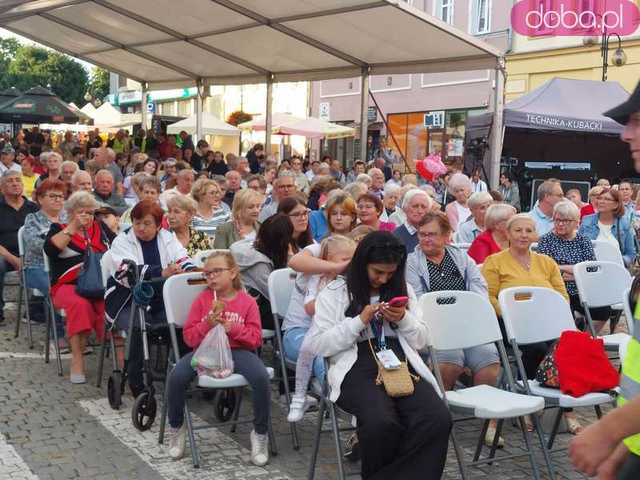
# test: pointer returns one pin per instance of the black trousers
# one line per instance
(630, 469)
(400, 438)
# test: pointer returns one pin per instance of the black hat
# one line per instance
(622, 112)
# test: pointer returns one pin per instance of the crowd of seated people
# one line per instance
(356, 241)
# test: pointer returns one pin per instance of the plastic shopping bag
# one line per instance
(431, 167)
(213, 356)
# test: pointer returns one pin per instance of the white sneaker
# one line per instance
(298, 406)
(177, 440)
(259, 449)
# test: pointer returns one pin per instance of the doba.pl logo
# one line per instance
(563, 18)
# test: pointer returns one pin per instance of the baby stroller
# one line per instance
(127, 288)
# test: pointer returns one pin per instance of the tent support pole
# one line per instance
(143, 106)
(268, 114)
(364, 117)
(390, 133)
(496, 129)
(199, 100)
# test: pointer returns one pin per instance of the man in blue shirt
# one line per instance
(549, 193)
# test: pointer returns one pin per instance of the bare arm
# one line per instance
(305, 262)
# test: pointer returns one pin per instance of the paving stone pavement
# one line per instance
(51, 429)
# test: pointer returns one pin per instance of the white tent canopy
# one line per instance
(174, 44)
(89, 109)
(286, 124)
(211, 125)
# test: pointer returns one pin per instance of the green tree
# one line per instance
(99, 83)
(33, 66)
(8, 49)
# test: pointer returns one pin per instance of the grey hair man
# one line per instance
(283, 187)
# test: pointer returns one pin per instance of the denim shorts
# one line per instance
(475, 358)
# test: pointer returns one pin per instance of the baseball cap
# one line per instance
(8, 149)
(622, 112)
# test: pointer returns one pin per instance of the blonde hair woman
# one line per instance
(245, 209)
(211, 211)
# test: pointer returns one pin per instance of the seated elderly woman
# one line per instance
(611, 224)
(473, 226)
(369, 210)
(518, 266)
(435, 266)
(148, 244)
(180, 213)
(568, 247)
(400, 438)
(495, 238)
(458, 211)
(211, 211)
(244, 210)
(50, 196)
(65, 246)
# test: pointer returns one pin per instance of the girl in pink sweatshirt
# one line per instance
(241, 320)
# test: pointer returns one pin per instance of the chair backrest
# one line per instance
(21, 241)
(600, 283)
(200, 257)
(607, 252)
(178, 296)
(534, 314)
(628, 314)
(281, 283)
(459, 319)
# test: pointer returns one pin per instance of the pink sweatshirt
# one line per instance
(242, 311)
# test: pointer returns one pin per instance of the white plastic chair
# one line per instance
(599, 285)
(281, 283)
(178, 294)
(607, 252)
(534, 315)
(447, 315)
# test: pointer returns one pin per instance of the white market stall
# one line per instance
(219, 134)
(166, 44)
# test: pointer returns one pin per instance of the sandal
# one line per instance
(574, 427)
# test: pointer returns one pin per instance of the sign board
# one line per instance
(434, 119)
(151, 107)
(324, 111)
(372, 114)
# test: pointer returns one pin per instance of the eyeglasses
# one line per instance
(55, 196)
(286, 187)
(429, 235)
(563, 220)
(214, 272)
(299, 215)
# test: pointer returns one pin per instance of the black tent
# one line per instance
(9, 94)
(37, 105)
(556, 130)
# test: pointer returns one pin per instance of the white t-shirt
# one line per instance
(606, 235)
(463, 214)
(296, 315)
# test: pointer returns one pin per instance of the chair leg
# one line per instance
(103, 352)
(272, 439)
(285, 379)
(56, 343)
(47, 335)
(236, 409)
(483, 432)
(459, 453)
(598, 411)
(496, 438)
(164, 409)
(195, 457)
(316, 440)
(20, 290)
(527, 441)
(554, 431)
(25, 292)
(545, 452)
(336, 438)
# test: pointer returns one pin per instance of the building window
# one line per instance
(444, 10)
(480, 16)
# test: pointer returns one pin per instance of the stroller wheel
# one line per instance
(143, 412)
(114, 390)
(224, 405)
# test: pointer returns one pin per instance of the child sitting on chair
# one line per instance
(336, 249)
(241, 321)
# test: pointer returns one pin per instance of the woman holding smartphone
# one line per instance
(400, 437)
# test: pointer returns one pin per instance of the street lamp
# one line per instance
(619, 58)
(89, 99)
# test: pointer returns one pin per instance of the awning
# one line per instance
(211, 125)
(285, 124)
(170, 43)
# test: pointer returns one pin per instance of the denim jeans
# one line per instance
(291, 343)
(37, 278)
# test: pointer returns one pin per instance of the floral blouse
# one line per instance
(198, 241)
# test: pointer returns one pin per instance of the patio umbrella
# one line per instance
(211, 125)
(9, 94)
(37, 105)
(286, 124)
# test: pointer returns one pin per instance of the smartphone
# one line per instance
(398, 301)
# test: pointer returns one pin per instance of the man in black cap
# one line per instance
(610, 448)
